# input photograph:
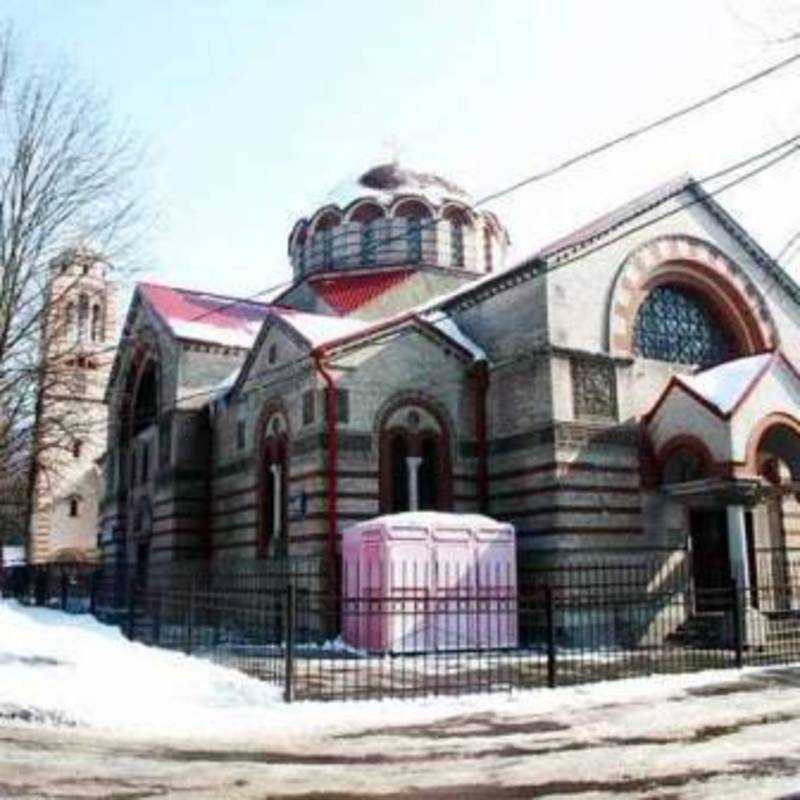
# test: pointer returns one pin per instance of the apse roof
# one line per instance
(384, 182)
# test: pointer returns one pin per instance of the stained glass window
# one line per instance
(674, 324)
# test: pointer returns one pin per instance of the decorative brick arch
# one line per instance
(760, 431)
(697, 265)
(385, 434)
(690, 444)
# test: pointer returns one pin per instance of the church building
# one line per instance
(627, 392)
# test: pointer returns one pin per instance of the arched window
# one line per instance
(416, 215)
(73, 507)
(83, 317)
(487, 250)
(683, 465)
(273, 487)
(97, 324)
(458, 221)
(368, 214)
(675, 324)
(415, 462)
(145, 406)
(324, 230)
(71, 329)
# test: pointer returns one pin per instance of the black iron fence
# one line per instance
(287, 623)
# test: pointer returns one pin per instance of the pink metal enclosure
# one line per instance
(426, 581)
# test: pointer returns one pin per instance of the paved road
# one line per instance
(736, 739)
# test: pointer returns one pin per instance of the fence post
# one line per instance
(737, 623)
(93, 593)
(289, 628)
(131, 621)
(190, 620)
(156, 606)
(64, 589)
(551, 637)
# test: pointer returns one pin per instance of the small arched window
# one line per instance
(77, 447)
(675, 324)
(97, 324)
(83, 317)
(417, 217)
(368, 214)
(71, 329)
(73, 507)
(458, 221)
(487, 250)
(324, 230)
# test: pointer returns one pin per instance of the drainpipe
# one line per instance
(481, 390)
(330, 462)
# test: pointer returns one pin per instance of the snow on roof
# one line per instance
(224, 386)
(384, 182)
(205, 317)
(431, 519)
(450, 329)
(724, 385)
(317, 329)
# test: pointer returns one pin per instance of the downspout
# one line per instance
(331, 487)
(481, 390)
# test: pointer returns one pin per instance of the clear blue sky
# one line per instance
(256, 109)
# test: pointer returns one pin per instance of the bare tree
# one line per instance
(68, 182)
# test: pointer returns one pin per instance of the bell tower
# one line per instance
(79, 348)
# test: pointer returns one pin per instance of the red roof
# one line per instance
(205, 316)
(347, 293)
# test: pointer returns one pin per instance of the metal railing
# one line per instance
(285, 623)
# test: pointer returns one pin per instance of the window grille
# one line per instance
(675, 325)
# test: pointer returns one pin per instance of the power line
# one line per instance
(547, 269)
(551, 171)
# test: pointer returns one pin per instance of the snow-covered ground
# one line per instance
(85, 713)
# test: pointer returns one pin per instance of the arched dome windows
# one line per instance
(368, 215)
(678, 325)
(417, 218)
(392, 217)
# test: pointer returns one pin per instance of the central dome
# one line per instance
(392, 216)
(387, 181)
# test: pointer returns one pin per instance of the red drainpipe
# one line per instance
(481, 389)
(331, 460)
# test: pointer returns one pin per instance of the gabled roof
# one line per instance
(347, 293)
(318, 329)
(724, 388)
(204, 317)
(725, 385)
(603, 225)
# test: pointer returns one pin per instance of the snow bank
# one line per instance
(71, 670)
(74, 670)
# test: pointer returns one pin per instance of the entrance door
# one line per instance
(711, 566)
